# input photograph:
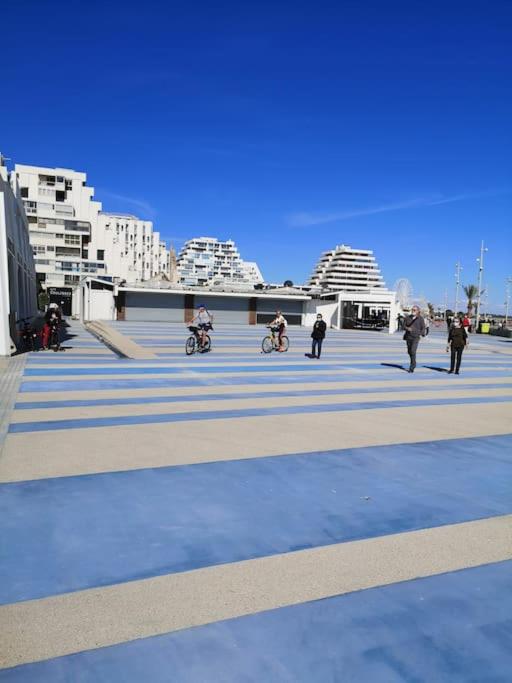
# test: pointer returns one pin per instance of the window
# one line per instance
(71, 279)
(60, 179)
(100, 254)
(72, 239)
(60, 196)
(30, 206)
(38, 249)
(24, 192)
(67, 265)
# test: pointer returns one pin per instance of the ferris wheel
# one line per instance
(404, 291)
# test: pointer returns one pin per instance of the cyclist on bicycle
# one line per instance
(201, 324)
(279, 325)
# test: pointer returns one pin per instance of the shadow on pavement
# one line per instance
(394, 365)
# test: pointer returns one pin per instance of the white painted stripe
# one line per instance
(248, 402)
(106, 449)
(406, 382)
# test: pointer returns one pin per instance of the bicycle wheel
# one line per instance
(190, 345)
(267, 345)
(207, 344)
(285, 342)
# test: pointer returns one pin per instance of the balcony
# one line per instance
(68, 251)
(64, 210)
(82, 227)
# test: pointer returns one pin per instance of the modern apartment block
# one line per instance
(62, 217)
(347, 269)
(132, 250)
(71, 237)
(207, 260)
(252, 272)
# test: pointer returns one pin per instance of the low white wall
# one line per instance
(101, 306)
(328, 310)
(76, 302)
(95, 304)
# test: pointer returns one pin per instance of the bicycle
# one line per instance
(271, 341)
(193, 343)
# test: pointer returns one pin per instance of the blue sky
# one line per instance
(287, 126)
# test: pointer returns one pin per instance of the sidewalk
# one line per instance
(236, 516)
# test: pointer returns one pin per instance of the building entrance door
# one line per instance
(63, 297)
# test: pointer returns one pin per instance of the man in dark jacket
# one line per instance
(318, 336)
(457, 342)
(414, 326)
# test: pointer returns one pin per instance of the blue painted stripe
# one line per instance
(136, 524)
(169, 369)
(198, 380)
(173, 398)
(123, 420)
(450, 628)
(156, 367)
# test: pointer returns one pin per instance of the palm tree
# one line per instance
(471, 291)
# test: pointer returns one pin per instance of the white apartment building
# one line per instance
(132, 250)
(252, 272)
(17, 272)
(62, 218)
(346, 269)
(207, 260)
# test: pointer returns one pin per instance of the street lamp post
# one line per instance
(458, 268)
(480, 275)
(507, 299)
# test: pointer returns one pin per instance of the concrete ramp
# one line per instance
(122, 345)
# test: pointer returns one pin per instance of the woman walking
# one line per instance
(457, 342)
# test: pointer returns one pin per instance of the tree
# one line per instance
(431, 311)
(288, 283)
(471, 291)
(43, 300)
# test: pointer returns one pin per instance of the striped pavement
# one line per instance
(236, 516)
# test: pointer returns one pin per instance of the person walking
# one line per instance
(458, 340)
(53, 315)
(318, 336)
(414, 326)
